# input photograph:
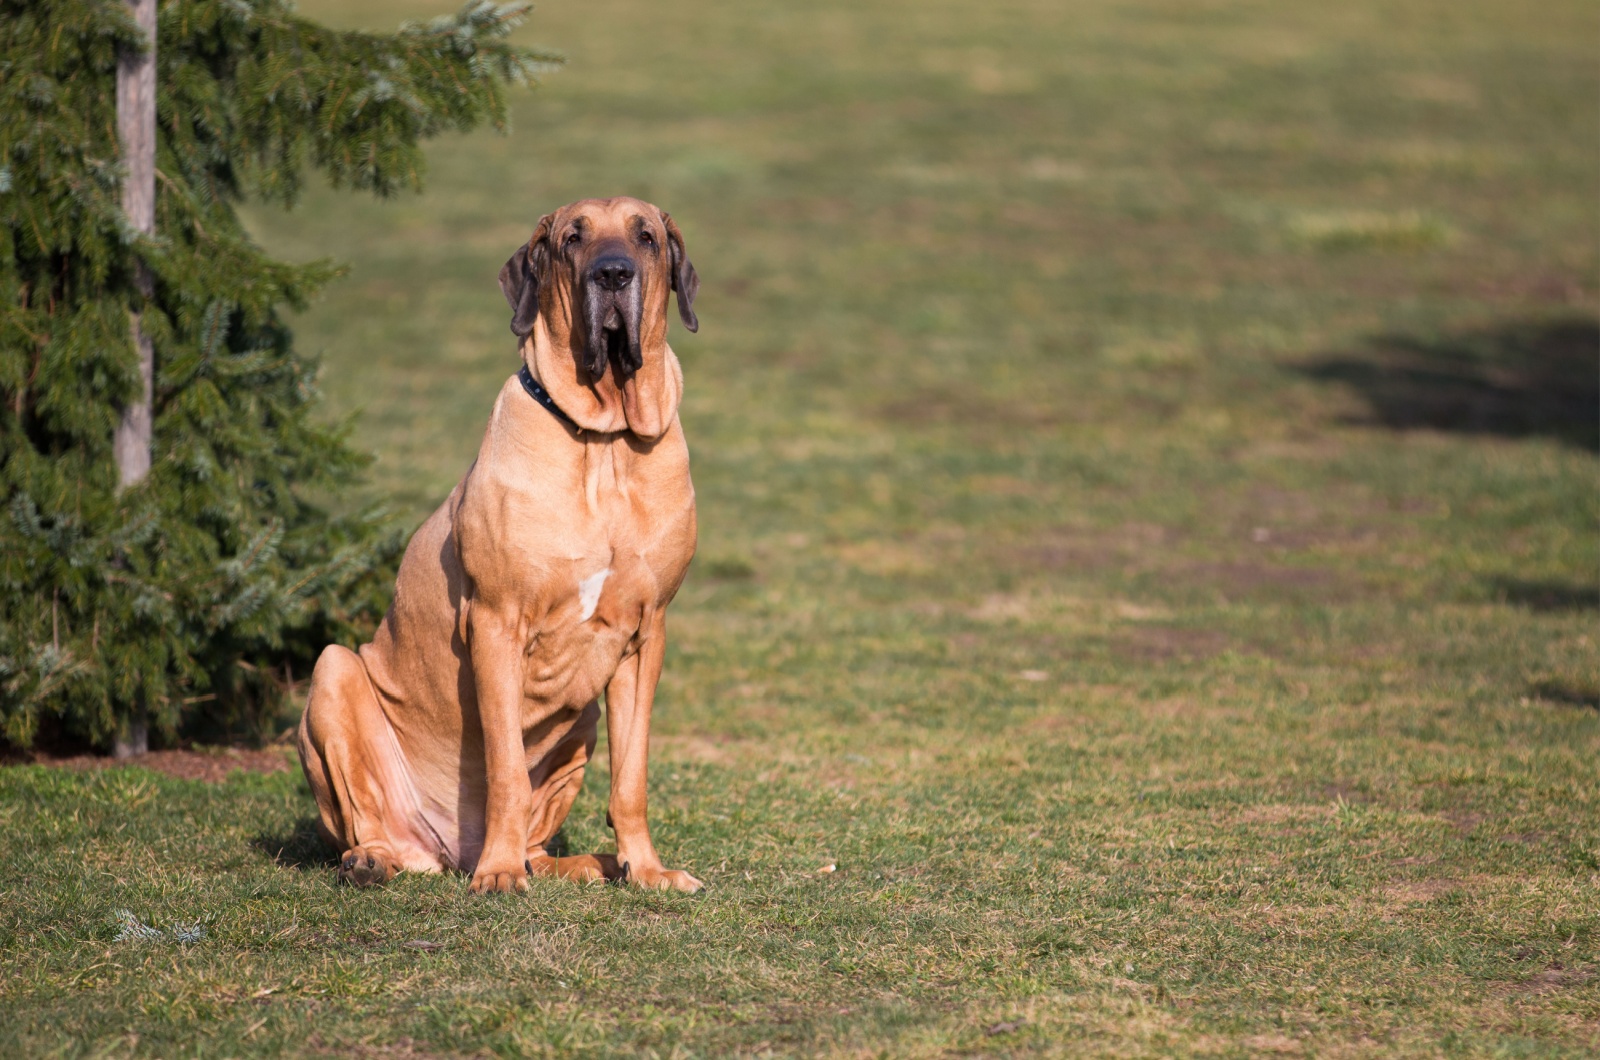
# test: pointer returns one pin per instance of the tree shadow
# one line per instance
(1547, 596)
(1568, 693)
(300, 848)
(1518, 379)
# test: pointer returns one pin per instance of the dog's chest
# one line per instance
(596, 606)
(593, 622)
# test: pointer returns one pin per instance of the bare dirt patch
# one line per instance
(1552, 980)
(1070, 549)
(1053, 723)
(1162, 643)
(889, 558)
(1282, 813)
(1463, 822)
(400, 1047)
(1407, 894)
(1254, 578)
(1282, 521)
(212, 765)
(703, 749)
(1241, 570)
(934, 406)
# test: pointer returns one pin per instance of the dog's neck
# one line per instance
(646, 404)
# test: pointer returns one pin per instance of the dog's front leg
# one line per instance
(497, 674)
(629, 697)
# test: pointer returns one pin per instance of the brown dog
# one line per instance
(458, 737)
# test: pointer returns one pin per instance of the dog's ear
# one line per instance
(684, 279)
(519, 279)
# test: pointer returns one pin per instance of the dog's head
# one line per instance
(599, 271)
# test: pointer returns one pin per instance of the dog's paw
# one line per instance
(361, 867)
(495, 878)
(659, 879)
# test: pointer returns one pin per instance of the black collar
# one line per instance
(542, 396)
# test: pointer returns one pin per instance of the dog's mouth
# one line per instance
(615, 330)
(614, 333)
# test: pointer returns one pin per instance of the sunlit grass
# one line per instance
(1147, 483)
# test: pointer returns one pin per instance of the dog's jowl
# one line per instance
(457, 739)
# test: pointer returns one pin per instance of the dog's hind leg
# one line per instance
(352, 762)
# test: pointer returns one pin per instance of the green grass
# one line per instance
(1146, 456)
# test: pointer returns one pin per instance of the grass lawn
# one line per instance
(1147, 466)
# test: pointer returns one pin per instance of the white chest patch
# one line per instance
(589, 593)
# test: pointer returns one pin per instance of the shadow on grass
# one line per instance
(301, 848)
(1518, 379)
(1546, 596)
(1568, 693)
(304, 848)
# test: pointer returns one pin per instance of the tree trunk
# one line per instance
(136, 129)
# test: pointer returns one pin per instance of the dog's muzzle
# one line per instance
(613, 308)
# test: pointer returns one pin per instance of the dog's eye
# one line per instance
(646, 237)
(573, 238)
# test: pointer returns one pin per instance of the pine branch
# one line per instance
(205, 579)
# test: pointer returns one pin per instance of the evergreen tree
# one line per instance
(205, 586)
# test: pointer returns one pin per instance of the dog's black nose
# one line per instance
(612, 273)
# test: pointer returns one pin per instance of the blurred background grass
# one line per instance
(1085, 225)
(1146, 456)
(1277, 317)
